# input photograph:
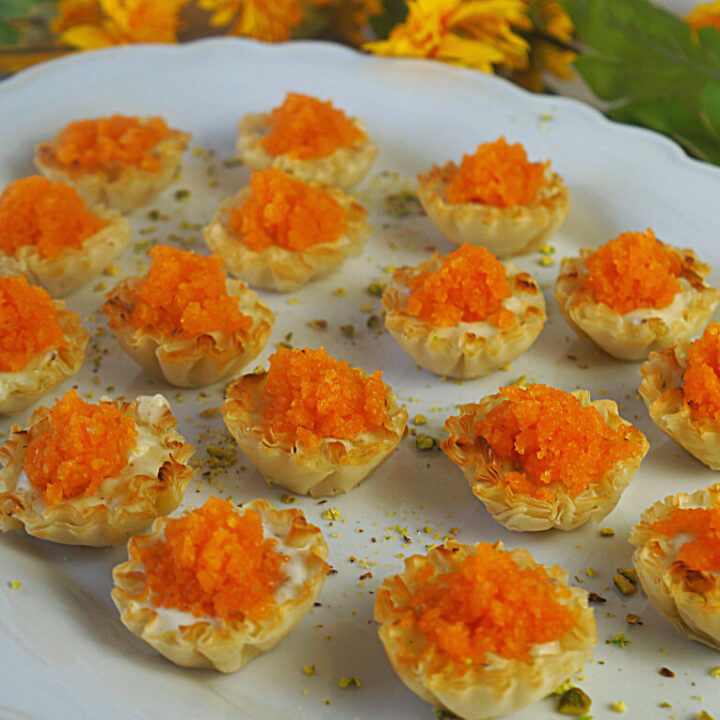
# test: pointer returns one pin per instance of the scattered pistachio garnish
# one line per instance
(633, 619)
(318, 324)
(402, 204)
(309, 670)
(704, 715)
(574, 702)
(288, 499)
(15, 584)
(331, 514)
(546, 261)
(607, 532)
(346, 682)
(181, 195)
(619, 706)
(373, 321)
(520, 382)
(426, 442)
(419, 419)
(630, 574)
(625, 586)
(620, 640)
(715, 672)
(376, 289)
(348, 330)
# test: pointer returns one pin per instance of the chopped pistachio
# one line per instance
(258, 370)
(546, 261)
(209, 412)
(373, 321)
(318, 324)
(624, 585)
(284, 344)
(181, 195)
(232, 162)
(346, 682)
(619, 706)
(340, 292)
(419, 419)
(402, 204)
(620, 640)
(348, 330)
(573, 702)
(426, 442)
(633, 619)
(630, 574)
(331, 514)
(546, 249)
(309, 670)
(704, 715)
(112, 270)
(15, 584)
(715, 672)
(288, 499)
(562, 689)
(100, 287)
(376, 289)
(590, 572)
(520, 382)
(607, 532)
(154, 215)
(218, 452)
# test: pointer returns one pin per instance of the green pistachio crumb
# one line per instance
(624, 585)
(318, 324)
(288, 499)
(402, 204)
(232, 162)
(373, 321)
(419, 419)
(376, 289)
(704, 715)
(348, 330)
(331, 514)
(715, 672)
(630, 574)
(607, 532)
(15, 584)
(181, 195)
(426, 442)
(218, 452)
(562, 689)
(309, 670)
(620, 640)
(520, 382)
(346, 682)
(619, 706)
(573, 702)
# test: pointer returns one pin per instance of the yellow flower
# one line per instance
(552, 21)
(71, 13)
(348, 20)
(705, 15)
(121, 22)
(475, 33)
(269, 20)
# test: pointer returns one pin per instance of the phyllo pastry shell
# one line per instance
(499, 681)
(467, 349)
(298, 459)
(123, 180)
(673, 559)
(663, 390)
(151, 483)
(280, 268)
(191, 359)
(225, 643)
(343, 166)
(632, 335)
(49, 235)
(586, 442)
(45, 370)
(512, 210)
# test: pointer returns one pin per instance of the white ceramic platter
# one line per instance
(64, 653)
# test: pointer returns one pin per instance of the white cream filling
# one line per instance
(144, 458)
(296, 575)
(672, 313)
(10, 381)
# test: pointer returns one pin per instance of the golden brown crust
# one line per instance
(662, 391)
(344, 168)
(504, 231)
(19, 390)
(335, 466)
(522, 512)
(121, 187)
(193, 361)
(73, 267)
(689, 599)
(500, 686)
(224, 645)
(277, 268)
(634, 335)
(467, 350)
(152, 484)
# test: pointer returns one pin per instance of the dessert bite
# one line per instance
(93, 474)
(495, 198)
(311, 423)
(677, 558)
(119, 161)
(538, 457)
(465, 314)
(309, 138)
(185, 321)
(41, 343)
(221, 584)
(681, 389)
(475, 629)
(635, 294)
(49, 235)
(281, 232)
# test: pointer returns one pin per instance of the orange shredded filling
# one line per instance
(312, 395)
(213, 562)
(84, 445)
(184, 293)
(488, 605)
(470, 286)
(552, 440)
(497, 174)
(703, 552)
(701, 381)
(116, 140)
(284, 211)
(635, 270)
(48, 215)
(304, 127)
(29, 323)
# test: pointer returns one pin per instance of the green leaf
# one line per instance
(8, 34)
(10, 9)
(394, 13)
(653, 69)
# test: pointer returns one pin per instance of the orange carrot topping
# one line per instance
(551, 439)
(469, 287)
(497, 174)
(312, 395)
(282, 210)
(107, 142)
(635, 270)
(84, 445)
(703, 552)
(701, 382)
(304, 127)
(49, 215)
(184, 293)
(489, 605)
(213, 562)
(28, 323)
